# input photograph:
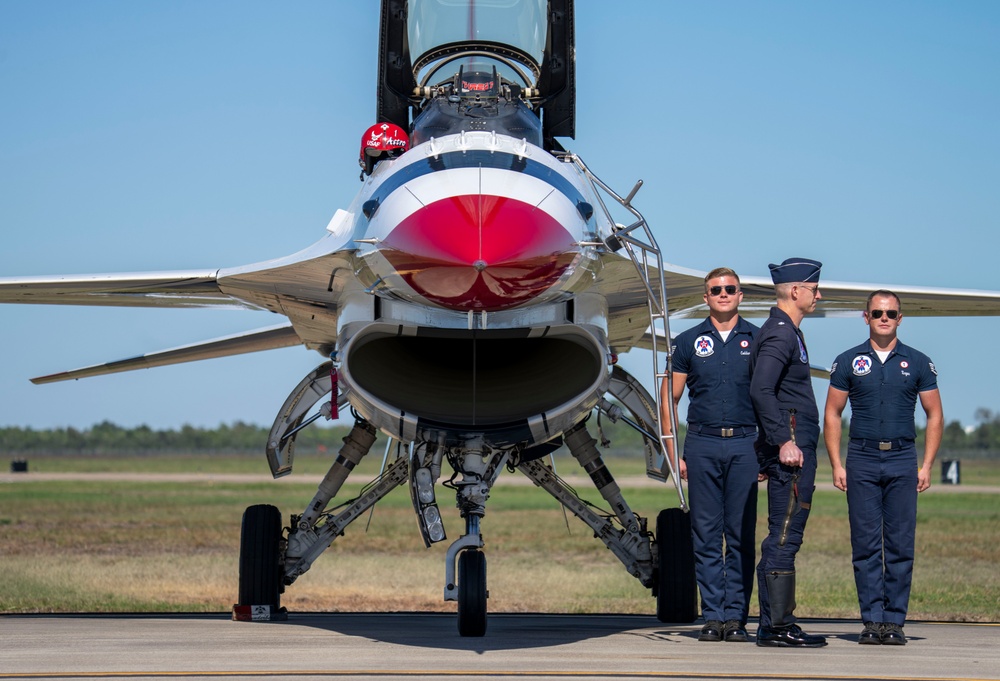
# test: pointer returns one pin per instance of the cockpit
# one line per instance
(476, 99)
(447, 66)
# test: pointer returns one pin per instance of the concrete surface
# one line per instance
(419, 646)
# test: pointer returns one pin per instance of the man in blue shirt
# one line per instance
(788, 419)
(713, 361)
(883, 379)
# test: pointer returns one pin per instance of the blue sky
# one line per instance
(187, 135)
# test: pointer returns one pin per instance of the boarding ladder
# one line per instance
(638, 241)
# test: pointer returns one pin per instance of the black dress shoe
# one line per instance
(871, 634)
(892, 635)
(734, 632)
(712, 631)
(788, 637)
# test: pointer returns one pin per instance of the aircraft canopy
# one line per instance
(478, 34)
(528, 44)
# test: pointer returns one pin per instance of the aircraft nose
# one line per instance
(479, 252)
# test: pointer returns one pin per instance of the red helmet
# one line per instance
(381, 141)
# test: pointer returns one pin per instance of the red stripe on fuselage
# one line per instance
(478, 252)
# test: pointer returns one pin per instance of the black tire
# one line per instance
(472, 593)
(677, 590)
(260, 569)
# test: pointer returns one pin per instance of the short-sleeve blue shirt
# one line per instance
(883, 396)
(718, 374)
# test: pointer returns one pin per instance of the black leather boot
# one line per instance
(783, 632)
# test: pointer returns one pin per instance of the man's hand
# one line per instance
(684, 470)
(840, 478)
(923, 479)
(790, 454)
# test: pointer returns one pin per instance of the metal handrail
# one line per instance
(645, 255)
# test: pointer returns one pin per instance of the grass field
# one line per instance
(94, 546)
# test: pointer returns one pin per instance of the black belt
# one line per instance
(882, 445)
(736, 431)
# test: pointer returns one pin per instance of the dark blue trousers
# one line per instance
(772, 556)
(882, 506)
(722, 490)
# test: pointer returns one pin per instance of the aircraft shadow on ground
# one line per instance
(439, 631)
(512, 631)
(505, 631)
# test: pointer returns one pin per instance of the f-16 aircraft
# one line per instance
(470, 304)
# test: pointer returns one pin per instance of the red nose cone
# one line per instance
(479, 252)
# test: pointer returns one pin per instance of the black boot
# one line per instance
(783, 632)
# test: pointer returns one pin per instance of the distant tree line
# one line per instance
(108, 438)
(239, 437)
(982, 440)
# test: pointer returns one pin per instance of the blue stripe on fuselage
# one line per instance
(477, 159)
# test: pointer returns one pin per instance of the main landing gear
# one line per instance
(270, 561)
(676, 589)
(272, 558)
(261, 578)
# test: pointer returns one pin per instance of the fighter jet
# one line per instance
(470, 304)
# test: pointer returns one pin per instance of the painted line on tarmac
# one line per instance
(492, 673)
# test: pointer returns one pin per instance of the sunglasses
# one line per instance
(717, 290)
(877, 314)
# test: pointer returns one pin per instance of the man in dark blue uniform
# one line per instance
(713, 361)
(788, 419)
(883, 379)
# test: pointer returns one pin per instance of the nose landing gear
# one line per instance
(479, 471)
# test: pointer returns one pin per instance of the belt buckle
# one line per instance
(726, 432)
(884, 446)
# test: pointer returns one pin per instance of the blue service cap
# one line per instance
(795, 270)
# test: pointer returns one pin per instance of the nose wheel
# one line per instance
(472, 593)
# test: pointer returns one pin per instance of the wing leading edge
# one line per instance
(271, 338)
(183, 288)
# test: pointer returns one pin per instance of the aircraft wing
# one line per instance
(305, 287)
(282, 336)
(184, 288)
(848, 299)
(840, 299)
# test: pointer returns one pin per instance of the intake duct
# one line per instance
(474, 380)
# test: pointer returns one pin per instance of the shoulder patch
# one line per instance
(932, 368)
(833, 369)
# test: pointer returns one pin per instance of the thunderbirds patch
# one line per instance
(704, 346)
(862, 365)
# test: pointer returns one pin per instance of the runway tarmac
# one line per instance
(427, 646)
